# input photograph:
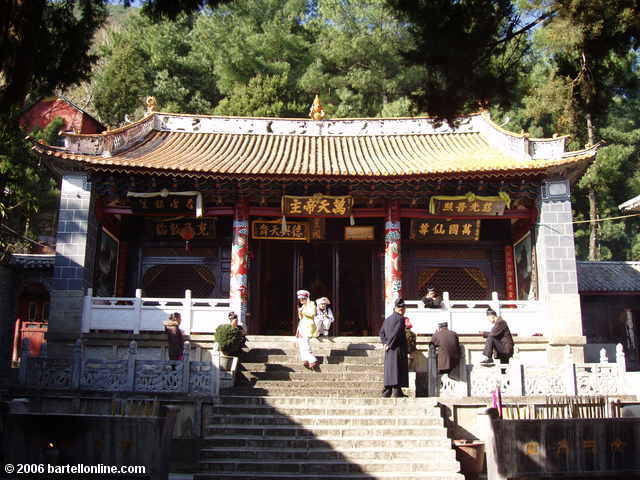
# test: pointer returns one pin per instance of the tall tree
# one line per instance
(45, 45)
(357, 59)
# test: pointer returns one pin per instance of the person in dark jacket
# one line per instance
(174, 336)
(448, 348)
(432, 299)
(498, 339)
(394, 340)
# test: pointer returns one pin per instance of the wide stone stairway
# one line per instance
(283, 421)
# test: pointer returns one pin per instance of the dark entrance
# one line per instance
(345, 273)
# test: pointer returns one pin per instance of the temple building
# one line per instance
(207, 214)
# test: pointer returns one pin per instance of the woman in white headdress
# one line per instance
(306, 328)
(324, 316)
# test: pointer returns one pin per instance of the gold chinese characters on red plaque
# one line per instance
(317, 205)
(469, 204)
(273, 230)
(167, 229)
(440, 229)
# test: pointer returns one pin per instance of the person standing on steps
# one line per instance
(175, 338)
(498, 339)
(324, 316)
(306, 329)
(447, 344)
(394, 341)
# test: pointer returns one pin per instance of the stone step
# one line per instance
(319, 382)
(326, 466)
(328, 441)
(291, 339)
(258, 357)
(341, 431)
(423, 454)
(355, 401)
(304, 392)
(332, 410)
(340, 476)
(309, 376)
(310, 420)
(296, 366)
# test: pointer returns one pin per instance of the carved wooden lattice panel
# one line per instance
(467, 283)
(170, 281)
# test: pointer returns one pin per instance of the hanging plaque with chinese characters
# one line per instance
(437, 229)
(272, 230)
(469, 204)
(317, 205)
(203, 228)
(169, 205)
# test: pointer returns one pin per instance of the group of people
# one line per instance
(446, 342)
(314, 319)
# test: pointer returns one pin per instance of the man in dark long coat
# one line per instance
(396, 364)
(448, 348)
(498, 339)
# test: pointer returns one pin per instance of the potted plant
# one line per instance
(230, 340)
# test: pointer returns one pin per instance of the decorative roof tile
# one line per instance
(608, 276)
(360, 148)
(33, 261)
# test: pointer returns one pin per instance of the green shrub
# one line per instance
(229, 339)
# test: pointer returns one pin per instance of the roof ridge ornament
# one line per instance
(316, 112)
(152, 104)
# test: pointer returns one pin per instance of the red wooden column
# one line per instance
(240, 262)
(392, 260)
(510, 273)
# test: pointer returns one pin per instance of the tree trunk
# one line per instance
(590, 135)
(594, 251)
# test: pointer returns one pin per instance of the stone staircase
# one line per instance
(283, 421)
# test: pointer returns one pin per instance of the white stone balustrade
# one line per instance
(524, 317)
(199, 315)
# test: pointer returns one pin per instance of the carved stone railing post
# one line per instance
(516, 383)
(622, 368)
(446, 302)
(24, 361)
(186, 369)
(131, 367)
(570, 384)
(495, 303)
(215, 371)
(137, 309)
(187, 312)
(433, 385)
(87, 311)
(76, 364)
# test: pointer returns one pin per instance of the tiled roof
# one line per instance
(632, 204)
(33, 260)
(609, 277)
(279, 147)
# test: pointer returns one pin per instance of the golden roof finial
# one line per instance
(316, 112)
(152, 105)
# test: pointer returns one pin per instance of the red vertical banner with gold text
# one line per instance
(510, 273)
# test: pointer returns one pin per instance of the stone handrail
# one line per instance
(515, 379)
(199, 315)
(525, 317)
(131, 374)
